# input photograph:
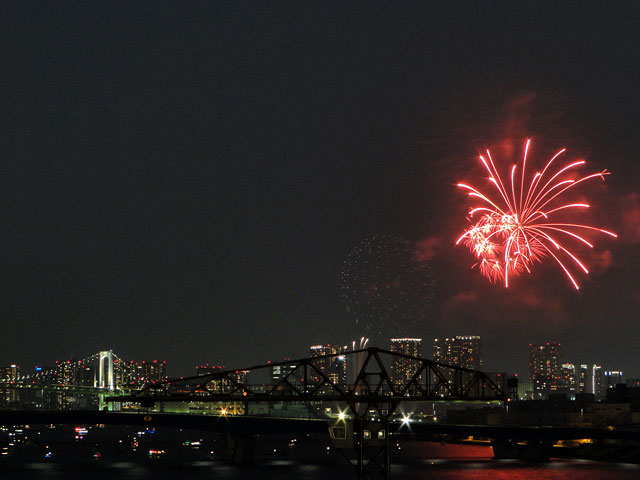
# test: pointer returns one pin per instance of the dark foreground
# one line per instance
(418, 460)
(110, 452)
(454, 469)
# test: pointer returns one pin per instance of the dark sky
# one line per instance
(183, 180)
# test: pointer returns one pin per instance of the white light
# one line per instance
(341, 415)
(406, 419)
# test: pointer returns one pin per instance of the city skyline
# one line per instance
(462, 350)
(188, 182)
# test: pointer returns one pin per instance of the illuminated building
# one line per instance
(568, 380)
(232, 379)
(66, 372)
(403, 369)
(207, 369)
(612, 378)
(583, 379)
(335, 367)
(9, 374)
(546, 369)
(138, 374)
(12, 372)
(464, 351)
(591, 380)
(280, 372)
(525, 390)
(597, 382)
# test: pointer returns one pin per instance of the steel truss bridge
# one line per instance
(383, 380)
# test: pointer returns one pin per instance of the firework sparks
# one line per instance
(518, 227)
(386, 286)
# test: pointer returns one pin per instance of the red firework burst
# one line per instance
(518, 228)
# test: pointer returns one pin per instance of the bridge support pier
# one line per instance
(240, 449)
(535, 450)
(366, 447)
(505, 448)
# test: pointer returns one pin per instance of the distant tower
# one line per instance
(403, 369)
(546, 369)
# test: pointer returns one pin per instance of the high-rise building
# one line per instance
(138, 374)
(12, 372)
(597, 382)
(583, 379)
(525, 390)
(9, 374)
(546, 368)
(403, 369)
(464, 351)
(335, 366)
(591, 379)
(69, 372)
(569, 381)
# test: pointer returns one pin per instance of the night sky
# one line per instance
(183, 181)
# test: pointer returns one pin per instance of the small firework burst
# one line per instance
(386, 286)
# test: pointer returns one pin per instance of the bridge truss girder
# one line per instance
(307, 379)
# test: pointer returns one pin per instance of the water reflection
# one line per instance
(420, 461)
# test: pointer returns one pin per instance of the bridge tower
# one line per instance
(105, 365)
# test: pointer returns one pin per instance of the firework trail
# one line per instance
(358, 360)
(386, 286)
(518, 227)
(361, 346)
